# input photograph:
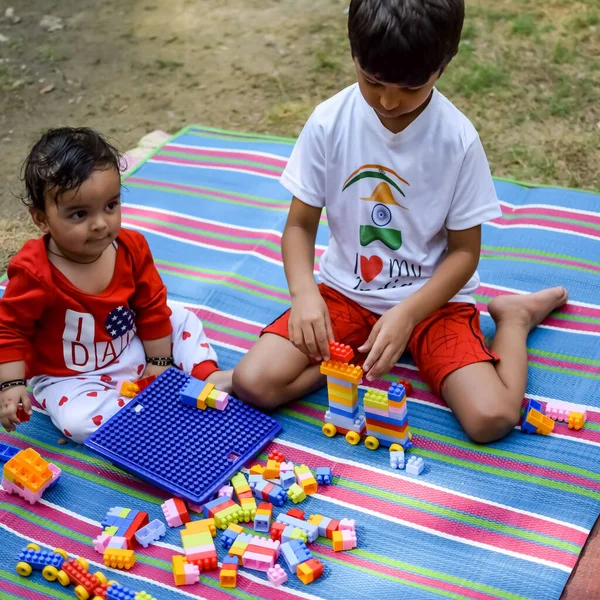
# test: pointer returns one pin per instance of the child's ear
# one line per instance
(39, 218)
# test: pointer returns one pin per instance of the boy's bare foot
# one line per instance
(528, 309)
(221, 380)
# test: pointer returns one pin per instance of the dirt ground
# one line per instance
(528, 75)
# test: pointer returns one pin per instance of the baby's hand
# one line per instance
(10, 400)
(153, 370)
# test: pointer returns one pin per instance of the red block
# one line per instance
(277, 456)
(182, 510)
(407, 385)
(145, 382)
(333, 526)
(22, 415)
(297, 513)
(138, 522)
(277, 530)
(265, 492)
(217, 509)
(340, 352)
(317, 567)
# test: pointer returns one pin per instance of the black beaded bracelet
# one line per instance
(160, 361)
(12, 383)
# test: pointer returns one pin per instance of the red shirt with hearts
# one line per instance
(59, 330)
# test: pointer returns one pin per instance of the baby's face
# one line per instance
(85, 221)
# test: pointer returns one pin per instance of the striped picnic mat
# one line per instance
(502, 521)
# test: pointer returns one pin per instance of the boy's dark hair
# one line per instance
(404, 41)
(62, 159)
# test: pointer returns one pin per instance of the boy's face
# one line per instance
(85, 221)
(393, 103)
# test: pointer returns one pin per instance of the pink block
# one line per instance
(276, 575)
(266, 543)
(347, 525)
(348, 540)
(258, 562)
(117, 542)
(197, 508)
(101, 542)
(226, 490)
(26, 494)
(222, 401)
(375, 411)
(192, 574)
(171, 515)
(198, 549)
(286, 466)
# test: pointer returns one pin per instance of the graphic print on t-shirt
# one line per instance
(379, 227)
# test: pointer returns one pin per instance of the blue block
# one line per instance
(277, 496)
(228, 538)
(140, 439)
(323, 475)
(396, 392)
(150, 533)
(190, 392)
(38, 559)
(288, 478)
(350, 414)
(525, 426)
(262, 523)
(108, 521)
(253, 479)
(291, 559)
(7, 452)
(312, 531)
(214, 503)
(119, 592)
(230, 560)
(388, 420)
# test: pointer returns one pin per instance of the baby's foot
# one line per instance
(222, 380)
(528, 309)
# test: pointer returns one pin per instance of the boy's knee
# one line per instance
(254, 387)
(489, 423)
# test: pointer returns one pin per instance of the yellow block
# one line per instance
(343, 392)
(208, 388)
(576, 420)
(342, 400)
(116, 558)
(201, 526)
(541, 422)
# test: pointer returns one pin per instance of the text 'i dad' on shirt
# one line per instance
(390, 198)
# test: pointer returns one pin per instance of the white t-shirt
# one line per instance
(390, 198)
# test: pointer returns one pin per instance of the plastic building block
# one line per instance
(116, 591)
(296, 493)
(286, 466)
(271, 470)
(340, 352)
(343, 371)
(226, 490)
(312, 531)
(239, 546)
(28, 475)
(175, 512)
(7, 452)
(260, 554)
(309, 571)
(343, 540)
(240, 485)
(407, 385)
(287, 479)
(560, 411)
(253, 479)
(277, 456)
(22, 414)
(305, 479)
(276, 575)
(117, 541)
(415, 465)
(270, 492)
(129, 389)
(257, 469)
(228, 573)
(576, 420)
(118, 558)
(75, 571)
(143, 596)
(183, 572)
(262, 519)
(150, 533)
(397, 459)
(324, 475)
(198, 544)
(296, 513)
(224, 511)
(33, 558)
(297, 534)
(145, 382)
(139, 438)
(539, 421)
(347, 525)
(230, 534)
(294, 553)
(531, 404)
(277, 530)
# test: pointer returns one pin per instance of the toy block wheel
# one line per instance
(101, 577)
(61, 552)
(81, 593)
(329, 429)
(49, 573)
(63, 579)
(396, 448)
(372, 443)
(33, 547)
(24, 569)
(352, 437)
(84, 563)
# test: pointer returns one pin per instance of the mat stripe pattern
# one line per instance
(505, 521)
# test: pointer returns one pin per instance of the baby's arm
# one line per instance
(309, 324)
(391, 333)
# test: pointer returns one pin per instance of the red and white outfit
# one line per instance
(77, 346)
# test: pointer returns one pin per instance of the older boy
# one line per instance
(407, 186)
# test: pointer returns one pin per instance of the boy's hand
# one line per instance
(387, 342)
(309, 326)
(9, 404)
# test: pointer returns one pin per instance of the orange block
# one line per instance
(343, 371)
(272, 470)
(576, 420)
(29, 470)
(119, 559)
(540, 421)
(257, 470)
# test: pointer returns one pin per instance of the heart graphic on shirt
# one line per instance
(140, 369)
(121, 402)
(181, 366)
(63, 400)
(97, 420)
(67, 433)
(92, 394)
(203, 345)
(185, 335)
(370, 267)
(44, 403)
(106, 378)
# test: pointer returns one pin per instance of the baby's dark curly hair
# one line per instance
(62, 159)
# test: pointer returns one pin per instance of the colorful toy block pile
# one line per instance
(572, 414)
(387, 416)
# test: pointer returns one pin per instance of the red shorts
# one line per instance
(447, 340)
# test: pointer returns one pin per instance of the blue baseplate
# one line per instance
(189, 452)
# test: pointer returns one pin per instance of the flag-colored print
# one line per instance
(504, 521)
